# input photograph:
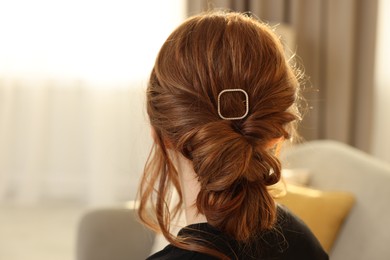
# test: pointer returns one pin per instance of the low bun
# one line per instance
(242, 214)
(233, 172)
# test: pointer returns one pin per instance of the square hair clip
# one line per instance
(246, 104)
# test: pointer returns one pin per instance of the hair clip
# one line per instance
(246, 104)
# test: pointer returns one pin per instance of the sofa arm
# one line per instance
(112, 234)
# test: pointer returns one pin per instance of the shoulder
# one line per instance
(290, 239)
(201, 231)
(174, 253)
(299, 241)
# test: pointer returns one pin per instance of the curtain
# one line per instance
(66, 139)
(335, 41)
(72, 84)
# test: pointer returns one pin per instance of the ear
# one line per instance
(167, 143)
(153, 133)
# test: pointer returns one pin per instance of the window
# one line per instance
(103, 40)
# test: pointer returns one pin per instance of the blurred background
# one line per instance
(73, 130)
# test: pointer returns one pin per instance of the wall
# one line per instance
(381, 137)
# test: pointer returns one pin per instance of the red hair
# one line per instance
(209, 53)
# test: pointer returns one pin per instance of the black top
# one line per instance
(290, 239)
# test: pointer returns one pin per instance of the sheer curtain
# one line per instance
(72, 81)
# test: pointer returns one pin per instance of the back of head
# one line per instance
(233, 161)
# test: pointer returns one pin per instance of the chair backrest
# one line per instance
(336, 166)
(112, 234)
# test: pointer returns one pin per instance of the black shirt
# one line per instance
(290, 239)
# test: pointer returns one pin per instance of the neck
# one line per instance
(190, 188)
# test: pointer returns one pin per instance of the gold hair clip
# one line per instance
(246, 104)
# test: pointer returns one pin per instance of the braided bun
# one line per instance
(233, 173)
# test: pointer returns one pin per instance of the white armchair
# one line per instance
(338, 167)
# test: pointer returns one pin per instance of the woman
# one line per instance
(221, 99)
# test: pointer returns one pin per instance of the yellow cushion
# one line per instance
(323, 211)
